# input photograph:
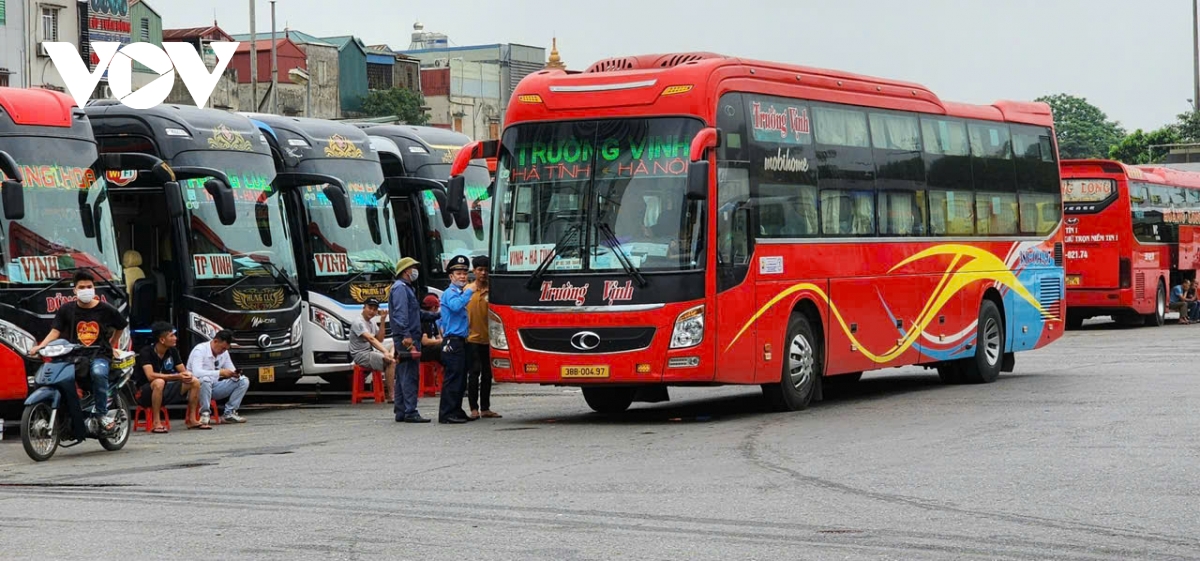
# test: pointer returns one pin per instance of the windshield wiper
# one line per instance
(558, 248)
(360, 274)
(280, 275)
(21, 303)
(626, 264)
(222, 290)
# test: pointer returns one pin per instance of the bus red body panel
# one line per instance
(896, 284)
(37, 107)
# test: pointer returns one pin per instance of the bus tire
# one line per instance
(802, 368)
(609, 400)
(1159, 317)
(985, 366)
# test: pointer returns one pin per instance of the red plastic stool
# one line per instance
(431, 379)
(357, 391)
(141, 418)
(214, 417)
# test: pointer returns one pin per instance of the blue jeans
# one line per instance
(233, 389)
(100, 368)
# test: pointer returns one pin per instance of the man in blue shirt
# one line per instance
(405, 317)
(454, 326)
(1183, 301)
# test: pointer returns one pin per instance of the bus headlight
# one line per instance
(203, 326)
(18, 338)
(297, 334)
(689, 329)
(330, 323)
(496, 332)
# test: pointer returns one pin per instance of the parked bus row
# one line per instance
(276, 228)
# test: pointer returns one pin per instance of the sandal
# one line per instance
(199, 427)
(492, 415)
(160, 430)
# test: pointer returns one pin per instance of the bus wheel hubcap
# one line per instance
(800, 362)
(991, 341)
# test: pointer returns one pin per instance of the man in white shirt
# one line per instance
(219, 379)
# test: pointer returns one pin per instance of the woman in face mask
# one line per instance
(90, 322)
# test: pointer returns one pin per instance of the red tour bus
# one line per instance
(696, 219)
(1130, 236)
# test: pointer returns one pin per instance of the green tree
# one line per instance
(403, 103)
(1140, 147)
(1188, 125)
(1084, 131)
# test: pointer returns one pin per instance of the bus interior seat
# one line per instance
(142, 304)
(131, 261)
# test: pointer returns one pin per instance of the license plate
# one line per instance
(266, 374)
(1074, 280)
(585, 372)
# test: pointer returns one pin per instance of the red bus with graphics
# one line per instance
(1130, 236)
(697, 219)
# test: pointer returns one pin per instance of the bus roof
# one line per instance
(37, 107)
(1147, 173)
(178, 128)
(429, 136)
(302, 138)
(630, 85)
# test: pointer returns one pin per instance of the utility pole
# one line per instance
(274, 65)
(253, 60)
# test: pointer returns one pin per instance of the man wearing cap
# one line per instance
(405, 315)
(454, 325)
(366, 343)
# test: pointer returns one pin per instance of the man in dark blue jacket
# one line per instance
(405, 314)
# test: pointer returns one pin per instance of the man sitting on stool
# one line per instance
(366, 344)
(163, 380)
(219, 379)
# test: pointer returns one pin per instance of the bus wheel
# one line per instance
(609, 400)
(802, 366)
(1159, 317)
(989, 347)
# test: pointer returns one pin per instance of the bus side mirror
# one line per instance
(87, 220)
(447, 217)
(697, 180)
(341, 204)
(13, 195)
(456, 190)
(223, 199)
(174, 195)
(373, 225)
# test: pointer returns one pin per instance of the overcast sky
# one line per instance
(1132, 59)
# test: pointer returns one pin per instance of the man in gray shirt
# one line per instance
(366, 343)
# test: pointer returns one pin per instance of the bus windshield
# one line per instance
(60, 187)
(369, 245)
(447, 241)
(593, 188)
(257, 243)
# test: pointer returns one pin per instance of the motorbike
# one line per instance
(59, 413)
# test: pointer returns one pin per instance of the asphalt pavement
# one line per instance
(1088, 451)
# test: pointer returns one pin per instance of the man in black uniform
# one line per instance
(89, 322)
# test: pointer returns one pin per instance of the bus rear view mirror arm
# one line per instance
(9, 166)
(698, 169)
(138, 161)
(334, 190)
(478, 150)
(223, 199)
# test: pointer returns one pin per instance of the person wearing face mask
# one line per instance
(454, 326)
(89, 322)
(404, 313)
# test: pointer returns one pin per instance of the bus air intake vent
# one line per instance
(676, 60)
(1050, 297)
(1139, 286)
(1058, 254)
(612, 65)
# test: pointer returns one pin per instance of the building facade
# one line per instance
(464, 97)
(322, 64)
(352, 72)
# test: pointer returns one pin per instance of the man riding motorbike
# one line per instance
(89, 322)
